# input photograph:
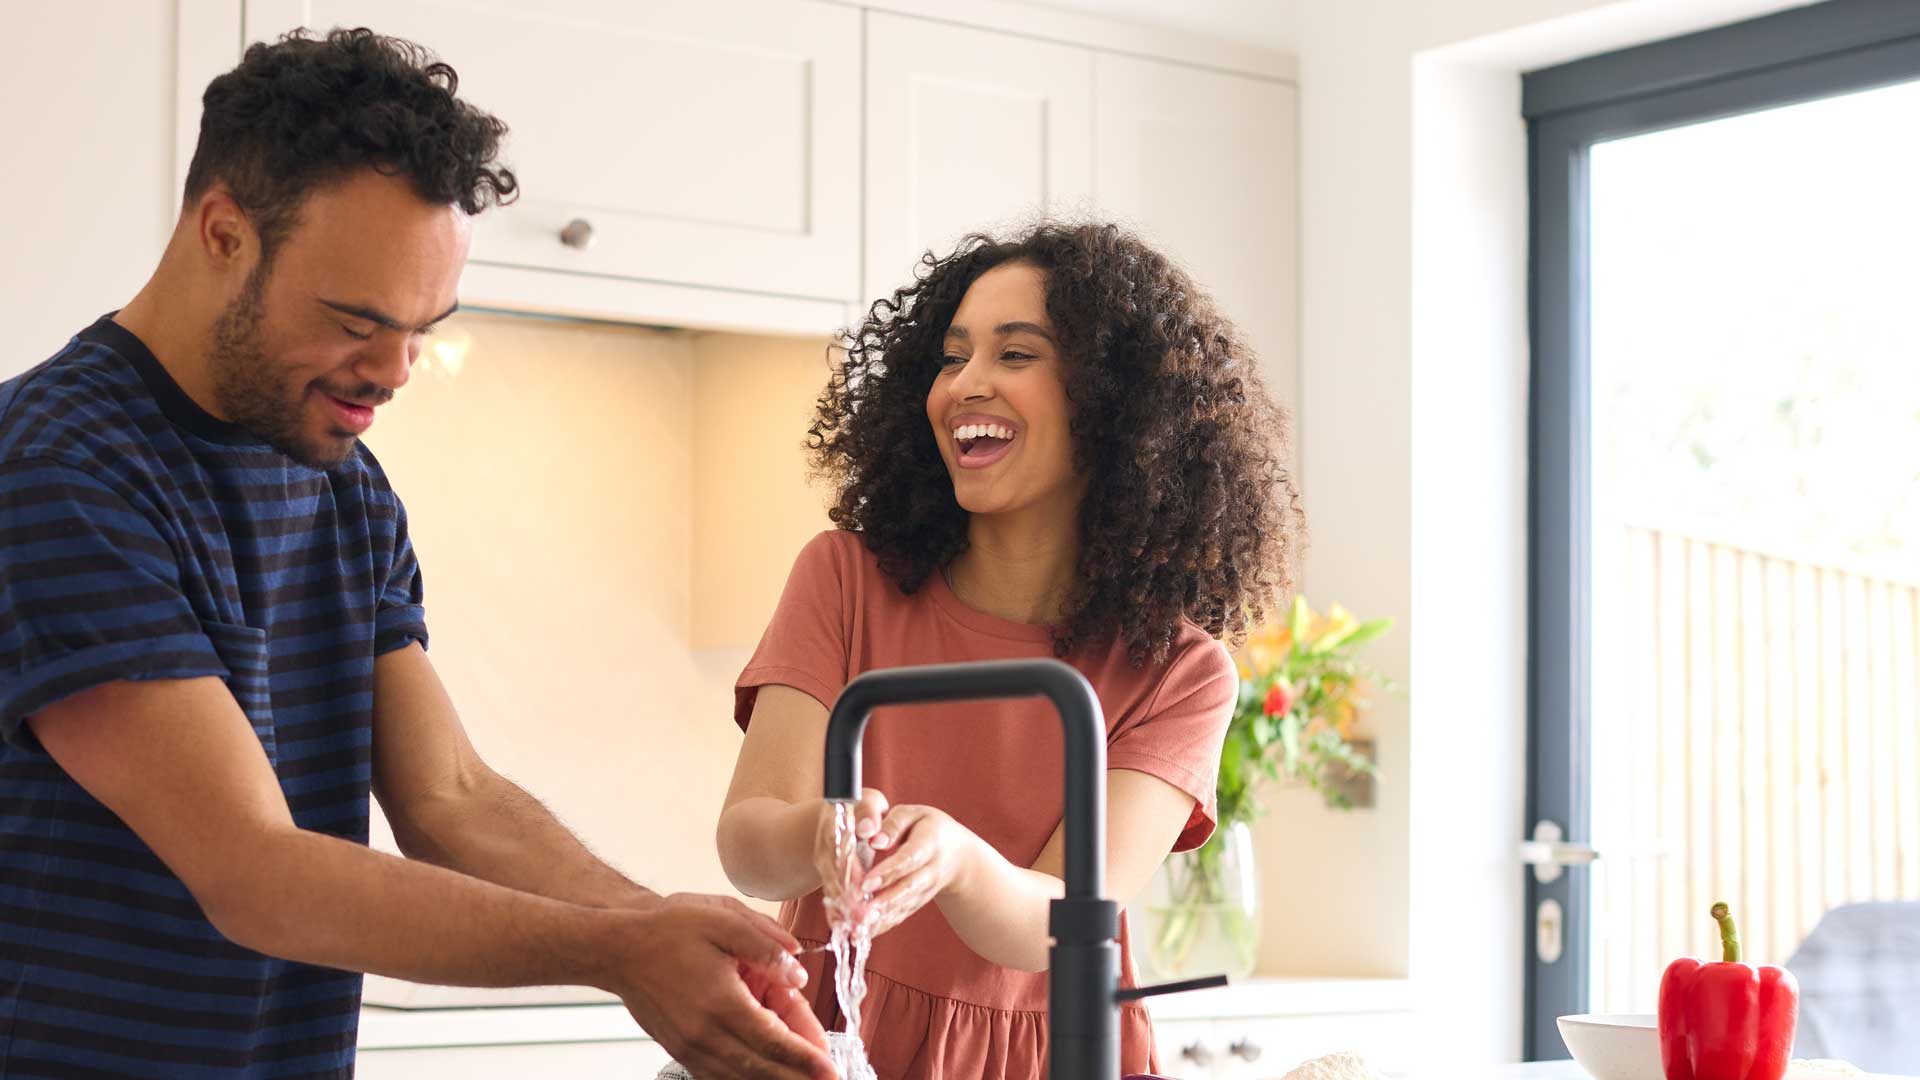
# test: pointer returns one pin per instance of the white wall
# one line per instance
(86, 135)
(1413, 375)
(558, 498)
(753, 505)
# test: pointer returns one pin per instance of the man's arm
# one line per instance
(177, 761)
(448, 808)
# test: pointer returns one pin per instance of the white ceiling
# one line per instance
(1266, 23)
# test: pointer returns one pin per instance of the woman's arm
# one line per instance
(998, 908)
(771, 831)
(775, 827)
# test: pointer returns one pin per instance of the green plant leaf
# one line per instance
(1298, 618)
(1290, 727)
(1369, 630)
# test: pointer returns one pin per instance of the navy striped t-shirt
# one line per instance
(142, 538)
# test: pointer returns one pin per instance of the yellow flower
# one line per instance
(1343, 718)
(1339, 623)
(1266, 647)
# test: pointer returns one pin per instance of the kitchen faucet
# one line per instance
(1083, 992)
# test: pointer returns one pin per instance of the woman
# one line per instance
(1045, 446)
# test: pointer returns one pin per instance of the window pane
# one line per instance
(1756, 388)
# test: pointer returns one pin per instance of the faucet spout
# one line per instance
(1084, 724)
(1083, 1034)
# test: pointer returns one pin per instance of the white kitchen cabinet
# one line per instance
(1252, 1048)
(711, 143)
(497, 1043)
(1202, 163)
(1263, 1028)
(1259, 1048)
(86, 119)
(1189, 1049)
(966, 129)
(603, 1061)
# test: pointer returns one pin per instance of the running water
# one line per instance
(850, 921)
(852, 937)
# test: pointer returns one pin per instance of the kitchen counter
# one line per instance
(404, 1042)
(384, 1028)
(453, 1016)
(1341, 1012)
(1271, 996)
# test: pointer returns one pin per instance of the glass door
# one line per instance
(1726, 499)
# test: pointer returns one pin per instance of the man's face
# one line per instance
(309, 348)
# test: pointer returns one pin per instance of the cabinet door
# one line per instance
(86, 116)
(626, 1060)
(1202, 164)
(1252, 1049)
(966, 129)
(708, 143)
(1188, 1049)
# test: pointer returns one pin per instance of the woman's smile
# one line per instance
(980, 440)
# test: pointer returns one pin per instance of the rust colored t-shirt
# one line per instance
(934, 1008)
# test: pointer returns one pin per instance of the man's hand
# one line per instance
(710, 902)
(717, 991)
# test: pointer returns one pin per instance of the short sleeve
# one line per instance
(805, 645)
(400, 608)
(1178, 736)
(400, 613)
(90, 593)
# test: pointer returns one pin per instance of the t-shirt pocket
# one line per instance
(244, 651)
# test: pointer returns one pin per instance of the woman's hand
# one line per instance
(842, 886)
(921, 852)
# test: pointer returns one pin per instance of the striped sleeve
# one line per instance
(400, 616)
(89, 593)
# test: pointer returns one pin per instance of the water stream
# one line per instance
(852, 937)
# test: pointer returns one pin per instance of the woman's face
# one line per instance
(999, 405)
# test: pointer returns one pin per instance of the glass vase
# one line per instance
(1202, 911)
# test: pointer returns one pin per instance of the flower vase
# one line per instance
(1202, 911)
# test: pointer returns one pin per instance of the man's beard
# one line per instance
(248, 387)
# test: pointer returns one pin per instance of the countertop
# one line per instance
(383, 1028)
(452, 1016)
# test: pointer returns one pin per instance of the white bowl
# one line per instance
(1618, 1046)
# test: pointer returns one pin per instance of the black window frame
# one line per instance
(1802, 54)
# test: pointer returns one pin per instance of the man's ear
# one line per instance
(223, 233)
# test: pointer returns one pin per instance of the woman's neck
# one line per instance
(1020, 566)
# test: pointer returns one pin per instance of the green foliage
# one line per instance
(1312, 659)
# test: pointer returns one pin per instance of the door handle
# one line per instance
(1549, 853)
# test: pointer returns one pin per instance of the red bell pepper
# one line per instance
(1726, 1021)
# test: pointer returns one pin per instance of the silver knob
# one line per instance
(1197, 1053)
(1548, 852)
(1245, 1049)
(578, 234)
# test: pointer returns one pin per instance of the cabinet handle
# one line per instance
(1197, 1053)
(578, 234)
(1245, 1049)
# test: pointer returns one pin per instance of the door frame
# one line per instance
(1796, 56)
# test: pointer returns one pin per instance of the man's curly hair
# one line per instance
(304, 111)
(1190, 510)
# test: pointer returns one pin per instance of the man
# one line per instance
(212, 644)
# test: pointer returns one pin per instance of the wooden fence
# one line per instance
(1757, 740)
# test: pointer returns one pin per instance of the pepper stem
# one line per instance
(1729, 938)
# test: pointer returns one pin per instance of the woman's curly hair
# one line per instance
(306, 111)
(1190, 511)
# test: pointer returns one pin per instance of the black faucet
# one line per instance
(1083, 991)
